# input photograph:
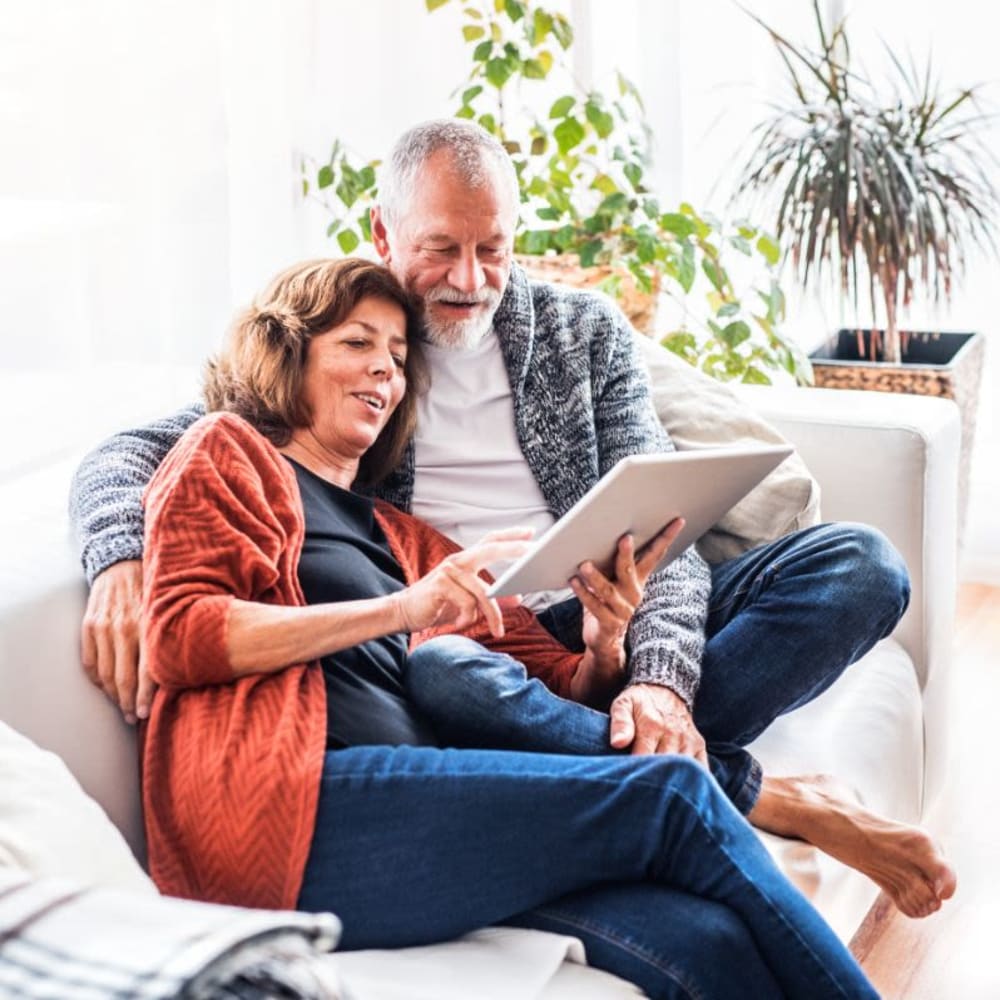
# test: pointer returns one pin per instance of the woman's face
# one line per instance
(354, 377)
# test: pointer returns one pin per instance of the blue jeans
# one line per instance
(784, 622)
(643, 858)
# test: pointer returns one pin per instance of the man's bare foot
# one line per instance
(903, 860)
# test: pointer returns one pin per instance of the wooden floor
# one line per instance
(956, 953)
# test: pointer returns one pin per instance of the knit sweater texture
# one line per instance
(581, 403)
(231, 766)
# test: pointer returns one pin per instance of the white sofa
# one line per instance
(890, 461)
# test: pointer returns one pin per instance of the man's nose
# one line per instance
(466, 273)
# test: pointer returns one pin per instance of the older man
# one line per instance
(537, 392)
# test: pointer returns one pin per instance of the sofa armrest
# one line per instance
(890, 461)
(44, 692)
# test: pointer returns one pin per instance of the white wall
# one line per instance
(707, 71)
(149, 179)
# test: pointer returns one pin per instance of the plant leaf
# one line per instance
(589, 252)
(498, 72)
(603, 123)
(348, 241)
(769, 249)
(561, 108)
(568, 134)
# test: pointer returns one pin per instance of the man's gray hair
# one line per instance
(473, 151)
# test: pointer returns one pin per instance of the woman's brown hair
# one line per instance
(258, 373)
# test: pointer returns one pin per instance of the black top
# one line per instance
(345, 557)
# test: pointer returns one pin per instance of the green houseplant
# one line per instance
(587, 215)
(886, 190)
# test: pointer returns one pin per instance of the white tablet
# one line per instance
(640, 495)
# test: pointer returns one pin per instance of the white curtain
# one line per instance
(149, 182)
(149, 176)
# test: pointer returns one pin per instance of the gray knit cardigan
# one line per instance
(581, 403)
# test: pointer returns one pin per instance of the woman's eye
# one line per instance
(400, 361)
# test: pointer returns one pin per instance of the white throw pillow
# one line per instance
(49, 827)
(699, 412)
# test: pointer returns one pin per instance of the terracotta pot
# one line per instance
(565, 269)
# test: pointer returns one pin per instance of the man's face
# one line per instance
(451, 247)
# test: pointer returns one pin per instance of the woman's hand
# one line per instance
(453, 593)
(608, 606)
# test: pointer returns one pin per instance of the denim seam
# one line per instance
(745, 797)
(774, 567)
(767, 901)
(639, 953)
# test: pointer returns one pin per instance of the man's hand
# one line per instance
(610, 602)
(652, 719)
(110, 639)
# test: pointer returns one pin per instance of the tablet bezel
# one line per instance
(641, 495)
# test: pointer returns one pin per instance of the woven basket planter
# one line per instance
(934, 364)
(565, 269)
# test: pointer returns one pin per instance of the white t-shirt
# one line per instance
(470, 475)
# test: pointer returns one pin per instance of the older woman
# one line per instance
(284, 761)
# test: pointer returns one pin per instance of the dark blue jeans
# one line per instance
(784, 622)
(643, 858)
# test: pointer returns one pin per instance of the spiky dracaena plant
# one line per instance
(887, 193)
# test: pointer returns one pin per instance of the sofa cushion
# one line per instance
(699, 412)
(867, 731)
(50, 828)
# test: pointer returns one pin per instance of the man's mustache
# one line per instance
(485, 296)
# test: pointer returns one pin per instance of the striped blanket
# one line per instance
(59, 941)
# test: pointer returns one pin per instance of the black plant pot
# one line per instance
(919, 348)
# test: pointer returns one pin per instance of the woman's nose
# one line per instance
(381, 363)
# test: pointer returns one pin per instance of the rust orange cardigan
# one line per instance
(231, 766)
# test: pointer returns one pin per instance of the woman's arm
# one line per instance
(265, 637)
(262, 638)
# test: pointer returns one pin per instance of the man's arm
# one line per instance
(105, 506)
(105, 500)
(667, 633)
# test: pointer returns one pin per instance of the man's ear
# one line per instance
(380, 238)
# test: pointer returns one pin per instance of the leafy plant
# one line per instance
(889, 191)
(353, 187)
(733, 341)
(581, 164)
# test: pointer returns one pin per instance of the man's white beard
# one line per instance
(460, 334)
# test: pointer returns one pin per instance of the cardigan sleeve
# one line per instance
(667, 633)
(105, 503)
(215, 530)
